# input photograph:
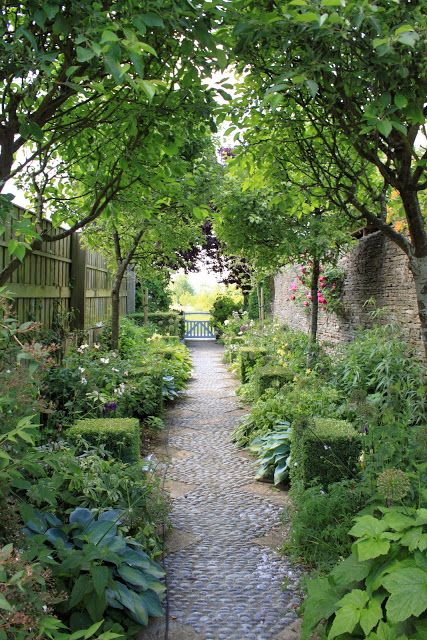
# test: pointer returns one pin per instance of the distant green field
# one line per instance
(197, 316)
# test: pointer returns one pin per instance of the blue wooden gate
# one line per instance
(199, 329)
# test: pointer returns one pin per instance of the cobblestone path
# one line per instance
(225, 579)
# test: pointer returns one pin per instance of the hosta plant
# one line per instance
(380, 591)
(273, 453)
(107, 575)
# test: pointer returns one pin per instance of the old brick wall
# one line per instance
(375, 269)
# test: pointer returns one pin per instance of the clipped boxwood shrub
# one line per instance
(146, 398)
(120, 436)
(249, 357)
(324, 450)
(272, 377)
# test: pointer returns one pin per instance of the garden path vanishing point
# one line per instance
(225, 579)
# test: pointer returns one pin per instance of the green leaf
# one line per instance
(408, 589)
(133, 576)
(345, 621)
(350, 570)
(333, 3)
(146, 47)
(109, 36)
(384, 127)
(11, 246)
(20, 251)
(309, 16)
(370, 616)
(100, 577)
(371, 548)
(367, 525)
(4, 604)
(31, 130)
(409, 38)
(356, 598)
(400, 101)
(84, 54)
(113, 67)
(321, 602)
(151, 20)
(148, 88)
(313, 87)
(81, 587)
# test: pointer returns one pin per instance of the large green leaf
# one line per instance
(82, 586)
(345, 621)
(133, 576)
(408, 589)
(321, 602)
(101, 575)
(371, 548)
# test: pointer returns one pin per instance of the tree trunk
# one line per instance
(115, 311)
(314, 288)
(145, 305)
(418, 268)
(418, 256)
(261, 304)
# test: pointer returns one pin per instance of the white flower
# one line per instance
(225, 323)
(104, 360)
(99, 325)
(82, 369)
(119, 391)
(325, 446)
(125, 373)
(96, 346)
(83, 380)
(83, 347)
(7, 370)
(114, 369)
(44, 607)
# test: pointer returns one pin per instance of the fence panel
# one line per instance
(60, 278)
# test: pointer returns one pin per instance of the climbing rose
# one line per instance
(292, 297)
(294, 286)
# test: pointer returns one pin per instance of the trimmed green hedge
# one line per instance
(166, 322)
(324, 450)
(120, 436)
(249, 357)
(270, 376)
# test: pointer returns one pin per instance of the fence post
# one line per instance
(78, 282)
(130, 290)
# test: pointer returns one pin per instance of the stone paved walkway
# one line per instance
(225, 579)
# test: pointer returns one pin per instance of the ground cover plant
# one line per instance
(373, 388)
(74, 493)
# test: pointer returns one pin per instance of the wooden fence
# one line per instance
(64, 282)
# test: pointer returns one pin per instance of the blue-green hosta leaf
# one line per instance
(133, 576)
(81, 516)
(281, 471)
(153, 604)
(58, 538)
(100, 533)
(132, 601)
(408, 589)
